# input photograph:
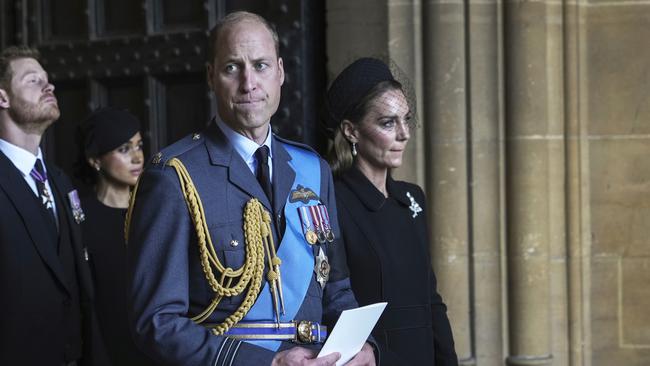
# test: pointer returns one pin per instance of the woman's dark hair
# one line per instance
(102, 131)
(81, 169)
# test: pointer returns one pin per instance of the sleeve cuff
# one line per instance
(375, 349)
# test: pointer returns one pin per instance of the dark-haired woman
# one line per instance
(110, 161)
(383, 221)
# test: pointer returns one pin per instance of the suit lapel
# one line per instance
(35, 222)
(283, 176)
(56, 180)
(222, 153)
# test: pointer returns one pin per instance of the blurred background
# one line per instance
(533, 145)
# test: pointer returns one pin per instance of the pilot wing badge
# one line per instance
(303, 195)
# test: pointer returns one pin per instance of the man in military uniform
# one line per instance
(234, 256)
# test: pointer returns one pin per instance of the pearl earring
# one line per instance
(354, 149)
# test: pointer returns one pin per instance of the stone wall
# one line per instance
(533, 145)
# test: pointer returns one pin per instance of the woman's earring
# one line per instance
(97, 167)
(354, 149)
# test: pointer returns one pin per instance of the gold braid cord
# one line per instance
(129, 211)
(228, 282)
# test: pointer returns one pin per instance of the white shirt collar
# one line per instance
(21, 158)
(243, 145)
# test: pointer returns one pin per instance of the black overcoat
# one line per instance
(387, 250)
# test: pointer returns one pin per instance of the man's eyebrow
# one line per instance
(266, 59)
(27, 72)
(237, 59)
(231, 59)
(30, 72)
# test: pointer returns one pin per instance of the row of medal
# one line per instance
(316, 224)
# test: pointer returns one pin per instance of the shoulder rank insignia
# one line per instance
(414, 207)
(156, 158)
(303, 195)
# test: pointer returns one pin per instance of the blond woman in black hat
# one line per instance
(110, 161)
(383, 221)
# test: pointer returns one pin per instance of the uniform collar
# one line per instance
(369, 195)
(244, 146)
(21, 158)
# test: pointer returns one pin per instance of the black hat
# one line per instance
(352, 84)
(106, 129)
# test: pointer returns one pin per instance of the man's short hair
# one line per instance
(234, 18)
(13, 53)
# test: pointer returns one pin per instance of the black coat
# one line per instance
(34, 280)
(103, 233)
(387, 250)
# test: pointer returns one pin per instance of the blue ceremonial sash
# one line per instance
(294, 251)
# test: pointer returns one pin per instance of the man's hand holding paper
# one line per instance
(350, 334)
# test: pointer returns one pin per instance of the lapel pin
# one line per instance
(414, 207)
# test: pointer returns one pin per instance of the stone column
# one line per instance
(485, 118)
(528, 147)
(577, 187)
(404, 48)
(354, 29)
(445, 100)
(556, 183)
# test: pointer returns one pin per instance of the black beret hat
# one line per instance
(106, 129)
(352, 84)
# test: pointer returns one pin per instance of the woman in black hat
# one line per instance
(110, 160)
(383, 221)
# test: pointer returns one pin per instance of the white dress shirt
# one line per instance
(246, 147)
(24, 161)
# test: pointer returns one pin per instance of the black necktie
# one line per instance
(38, 173)
(263, 173)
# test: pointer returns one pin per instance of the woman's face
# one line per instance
(123, 165)
(383, 132)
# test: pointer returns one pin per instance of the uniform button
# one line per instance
(234, 243)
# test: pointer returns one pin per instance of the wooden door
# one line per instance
(149, 56)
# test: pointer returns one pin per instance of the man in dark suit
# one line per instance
(192, 237)
(44, 280)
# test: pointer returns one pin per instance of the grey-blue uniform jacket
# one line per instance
(166, 284)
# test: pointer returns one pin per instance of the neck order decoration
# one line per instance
(228, 282)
